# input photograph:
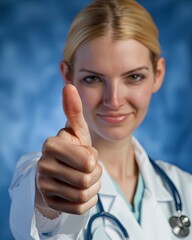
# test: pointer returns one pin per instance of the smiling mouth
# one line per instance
(113, 119)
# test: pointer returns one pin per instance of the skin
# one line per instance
(114, 81)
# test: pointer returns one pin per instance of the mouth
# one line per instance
(113, 118)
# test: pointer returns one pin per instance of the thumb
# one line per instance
(74, 112)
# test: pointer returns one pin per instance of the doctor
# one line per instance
(112, 66)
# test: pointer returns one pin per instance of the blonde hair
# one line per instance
(122, 19)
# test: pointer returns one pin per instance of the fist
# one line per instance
(68, 173)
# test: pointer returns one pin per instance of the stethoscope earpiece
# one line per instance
(180, 225)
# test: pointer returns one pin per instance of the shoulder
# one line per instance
(183, 182)
(181, 178)
(173, 171)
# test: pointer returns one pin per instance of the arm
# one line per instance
(61, 183)
(25, 220)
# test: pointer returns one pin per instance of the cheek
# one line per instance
(142, 98)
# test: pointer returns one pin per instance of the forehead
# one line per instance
(103, 52)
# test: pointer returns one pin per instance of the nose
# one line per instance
(113, 96)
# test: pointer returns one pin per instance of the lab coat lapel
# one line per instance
(115, 205)
(154, 221)
(125, 216)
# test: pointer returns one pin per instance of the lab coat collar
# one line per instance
(152, 180)
(154, 192)
(154, 184)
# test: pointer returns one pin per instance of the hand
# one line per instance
(68, 174)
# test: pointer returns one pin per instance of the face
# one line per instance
(115, 80)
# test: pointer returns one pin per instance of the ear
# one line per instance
(66, 72)
(159, 75)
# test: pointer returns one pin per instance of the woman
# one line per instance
(112, 66)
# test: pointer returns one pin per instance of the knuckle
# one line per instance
(79, 210)
(89, 160)
(86, 164)
(85, 181)
(48, 146)
(82, 196)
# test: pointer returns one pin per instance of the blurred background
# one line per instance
(32, 38)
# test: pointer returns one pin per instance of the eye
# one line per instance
(134, 78)
(91, 80)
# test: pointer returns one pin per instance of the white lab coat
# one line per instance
(157, 204)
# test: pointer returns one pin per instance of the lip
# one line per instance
(113, 118)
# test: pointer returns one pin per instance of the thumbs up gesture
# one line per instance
(68, 174)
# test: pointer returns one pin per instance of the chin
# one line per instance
(114, 136)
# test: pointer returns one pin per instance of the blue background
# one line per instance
(32, 37)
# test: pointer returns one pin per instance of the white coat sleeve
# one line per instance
(25, 221)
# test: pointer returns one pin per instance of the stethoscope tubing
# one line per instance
(172, 187)
(104, 214)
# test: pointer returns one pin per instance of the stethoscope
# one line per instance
(180, 223)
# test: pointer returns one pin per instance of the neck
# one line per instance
(117, 157)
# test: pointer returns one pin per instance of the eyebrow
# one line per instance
(124, 74)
